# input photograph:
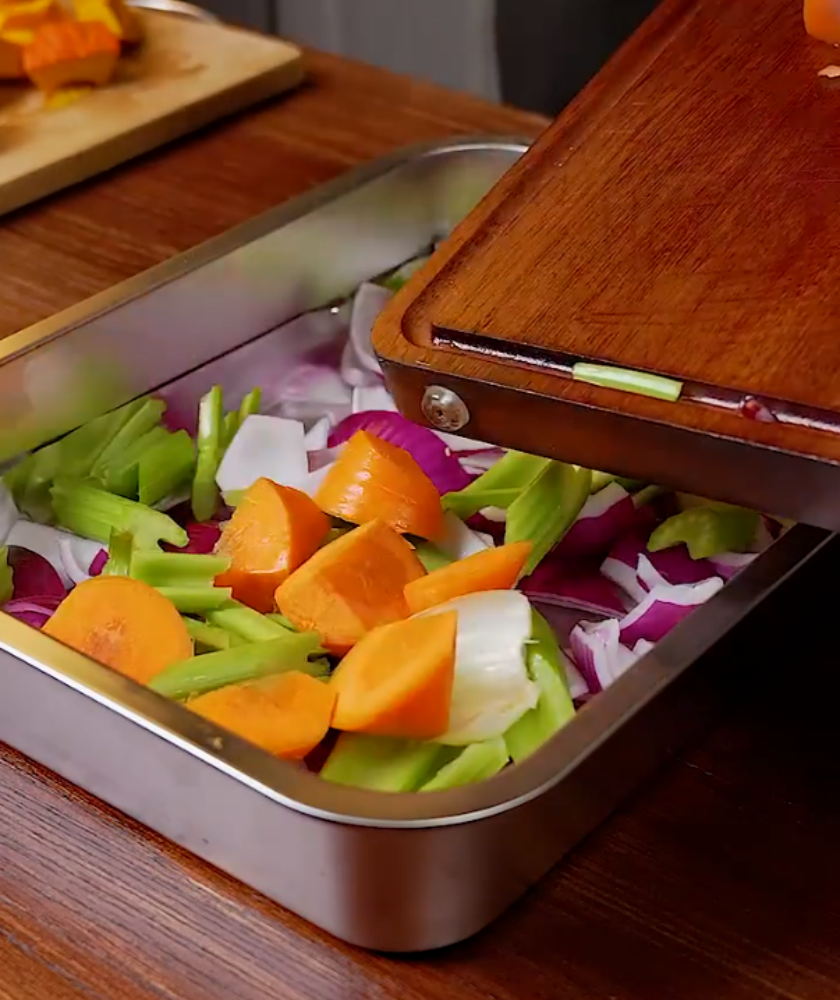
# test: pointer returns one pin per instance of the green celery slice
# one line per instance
(547, 509)
(7, 587)
(146, 414)
(250, 405)
(383, 764)
(165, 468)
(230, 428)
(207, 638)
(238, 665)
(603, 479)
(205, 493)
(120, 554)
(95, 513)
(707, 531)
(500, 486)
(196, 600)
(121, 473)
(555, 707)
(431, 556)
(626, 380)
(281, 620)
(177, 569)
(248, 624)
(477, 762)
(71, 457)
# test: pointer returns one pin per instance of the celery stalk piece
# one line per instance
(626, 380)
(250, 405)
(603, 479)
(281, 620)
(120, 554)
(196, 600)
(600, 480)
(383, 764)
(555, 707)
(205, 493)
(95, 513)
(72, 457)
(238, 665)
(121, 473)
(146, 414)
(500, 486)
(166, 467)
(230, 426)
(431, 556)
(707, 531)
(248, 624)
(177, 569)
(546, 510)
(477, 762)
(7, 587)
(207, 638)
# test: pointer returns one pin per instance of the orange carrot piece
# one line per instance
(822, 20)
(493, 569)
(123, 623)
(273, 531)
(287, 715)
(376, 480)
(351, 586)
(398, 680)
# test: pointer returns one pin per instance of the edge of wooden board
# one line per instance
(175, 124)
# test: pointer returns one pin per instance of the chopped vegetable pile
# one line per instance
(342, 587)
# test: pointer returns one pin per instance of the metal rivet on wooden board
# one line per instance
(444, 409)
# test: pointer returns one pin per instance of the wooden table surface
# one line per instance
(719, 882)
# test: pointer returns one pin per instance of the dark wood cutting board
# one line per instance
(683, 220)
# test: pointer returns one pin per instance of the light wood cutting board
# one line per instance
(186, 74)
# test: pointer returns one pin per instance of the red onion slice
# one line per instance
(664, 608)
(606, 516)
(599, 655)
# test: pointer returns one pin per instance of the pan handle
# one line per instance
(177, 7)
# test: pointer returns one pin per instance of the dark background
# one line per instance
(546, 49)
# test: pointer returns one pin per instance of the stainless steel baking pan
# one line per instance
(392, 873)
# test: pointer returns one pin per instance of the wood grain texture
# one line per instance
(84, 240)
(681, 218)
(184, 75)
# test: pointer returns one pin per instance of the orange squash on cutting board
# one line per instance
(71, 52)
(351, 586)
(116, 15)
(22, 18)
(375, 480)
(287, 715)
(11, 60)
(398, 680)
(822, 20)
(273, 531)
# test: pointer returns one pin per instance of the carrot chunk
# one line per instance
(287, 715)
(273, 531)
(351, 586)
(493, 569)
(376, 480)
(123, 623)
(398, 680)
